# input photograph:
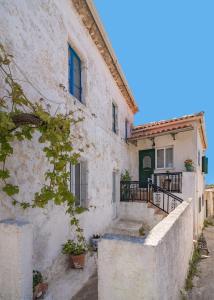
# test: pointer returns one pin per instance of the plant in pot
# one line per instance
(76, 251)
(39, 287)
(189, 165)
(125, 188)
(94, 241)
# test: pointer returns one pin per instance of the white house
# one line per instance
(63, 43)
(209, 201)
(161, 151)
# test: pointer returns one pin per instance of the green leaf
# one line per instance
(10, 189)
(4, 174)
(80, 210)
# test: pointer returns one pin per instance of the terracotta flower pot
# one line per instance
(77, 261)
(40, 290)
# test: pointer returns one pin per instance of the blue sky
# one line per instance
(166, 50)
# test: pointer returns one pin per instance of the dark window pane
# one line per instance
(114, 187)
(77, 184)
(113, 117)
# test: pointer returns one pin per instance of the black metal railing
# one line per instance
(131, 191)
(162, 198)
(171, 182)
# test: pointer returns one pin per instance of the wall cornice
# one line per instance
(90, 19)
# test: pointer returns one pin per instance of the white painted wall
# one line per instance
(37, 33)
(186, 146)
(135, 211)
(15, 260)
(209, 197)
(134, 268)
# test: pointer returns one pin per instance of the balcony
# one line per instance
(172, 182)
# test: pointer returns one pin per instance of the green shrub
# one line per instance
(74, 248)
(37, 278)
(193, 271)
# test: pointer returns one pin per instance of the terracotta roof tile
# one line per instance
(163, 122)
(164, 126)
(147, 133)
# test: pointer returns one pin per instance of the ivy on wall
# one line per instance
(20, 118)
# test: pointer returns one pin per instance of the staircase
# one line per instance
(156, 197)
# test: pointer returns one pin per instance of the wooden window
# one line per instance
(164, 158)
(199, 157)
(127, 129)
(199, 205)
(78, 183)
(74, 74)
(114, 174)
(114, 118)
(205, 164)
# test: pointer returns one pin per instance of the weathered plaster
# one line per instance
(37, 35)
(133, 268)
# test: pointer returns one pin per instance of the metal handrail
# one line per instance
(167, 203)
(172, 181)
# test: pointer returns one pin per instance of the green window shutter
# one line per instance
(205, 164)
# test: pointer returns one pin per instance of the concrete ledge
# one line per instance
(125, 238)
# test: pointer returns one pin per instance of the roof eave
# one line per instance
(113, 64)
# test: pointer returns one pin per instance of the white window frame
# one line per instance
(164, 158)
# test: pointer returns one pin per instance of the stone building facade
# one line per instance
(42, 36)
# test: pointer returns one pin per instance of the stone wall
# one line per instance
(151, 268)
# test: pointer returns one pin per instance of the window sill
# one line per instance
(165, 169)
(76, 101)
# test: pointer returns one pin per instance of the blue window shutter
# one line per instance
(74, 64)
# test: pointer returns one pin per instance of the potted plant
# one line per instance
(39, 287)
(125, 178)
(76, 251)
(189, 165)
(94, 241)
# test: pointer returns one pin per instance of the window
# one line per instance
(114, 118)
(74, 74)
(164, 158)
(127, 129)
(199, 205)
(199, 157)
(114, 174)
(205, 164)
(78, 183)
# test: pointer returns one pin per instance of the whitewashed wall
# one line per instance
(134, 268)
(37, 33)
(136, 211)
(186, 146)
(209, 197)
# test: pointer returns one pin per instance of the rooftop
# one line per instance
(172, 126)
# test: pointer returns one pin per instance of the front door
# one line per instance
(146, 166)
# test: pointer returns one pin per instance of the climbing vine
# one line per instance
(20, 118)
